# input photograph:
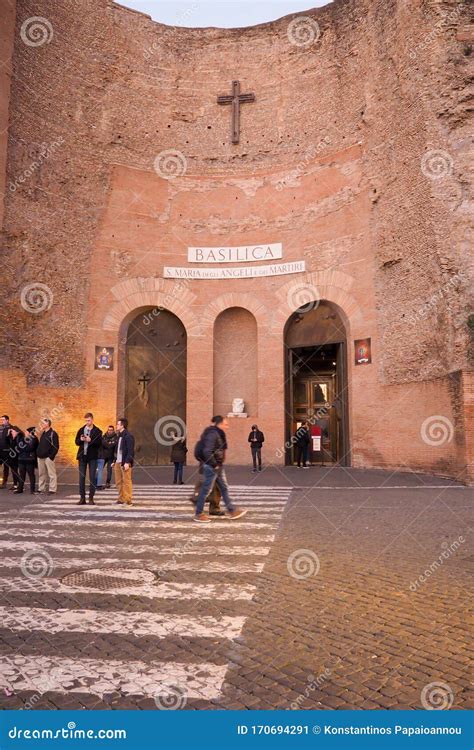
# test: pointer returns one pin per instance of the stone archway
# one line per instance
(316, 378)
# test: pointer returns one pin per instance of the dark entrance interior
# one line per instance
(155, 383)
(316, 377)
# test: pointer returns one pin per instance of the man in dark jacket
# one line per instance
(302, 439)
(178, 458)
(89, 440)
(26, 445)
(17, 442)
(46, 452)
(109, 441)
(123, 461)
(256, 440)
(212, 447)
(5, 444)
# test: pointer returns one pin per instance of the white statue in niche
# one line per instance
(238, 405)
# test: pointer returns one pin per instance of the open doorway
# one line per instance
(316, 384)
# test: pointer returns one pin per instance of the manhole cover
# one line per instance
(109, 578)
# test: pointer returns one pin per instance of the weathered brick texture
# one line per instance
(355, 155)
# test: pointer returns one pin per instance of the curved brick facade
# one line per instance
(337, 160)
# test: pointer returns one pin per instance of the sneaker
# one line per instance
(127, 505)
(119, 502)
(254, 471)
(202, 518)
(217, 513)
(305, 467)
(18, 492)
(51, 493)
(237, 513)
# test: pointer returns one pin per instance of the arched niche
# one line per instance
(235, 360)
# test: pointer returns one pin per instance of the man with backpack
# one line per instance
(210, 451)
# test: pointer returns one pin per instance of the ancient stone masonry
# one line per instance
(356, 156)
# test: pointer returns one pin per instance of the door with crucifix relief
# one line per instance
(155, 393)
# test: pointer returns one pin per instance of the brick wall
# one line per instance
(7, 14)
(355, 156)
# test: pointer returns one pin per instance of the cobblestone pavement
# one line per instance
(353, 596)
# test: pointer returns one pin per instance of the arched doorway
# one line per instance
(155, 383)
(316, 382)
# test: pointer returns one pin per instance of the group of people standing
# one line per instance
(98, 452)
(24, 451)
(21, 452)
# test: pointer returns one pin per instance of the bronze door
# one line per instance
(155, 384)
(313, 399)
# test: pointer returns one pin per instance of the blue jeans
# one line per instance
(92, 477)
(178, 471)
(212, 477)
(100, 470)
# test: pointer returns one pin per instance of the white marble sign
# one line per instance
(240, 254)
(241, 272)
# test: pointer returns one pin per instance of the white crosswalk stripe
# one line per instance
(137, 535)
(142, 549)
(130, 623)
(156, 535)
(42, 674)
(148, 591)
(197, 564)
(23, 521)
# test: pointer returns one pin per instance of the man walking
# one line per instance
(256, 440)
(211, 451)
(89, 440)
(46, 453)
(123, 462)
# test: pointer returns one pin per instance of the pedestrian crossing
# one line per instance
(199, 607)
